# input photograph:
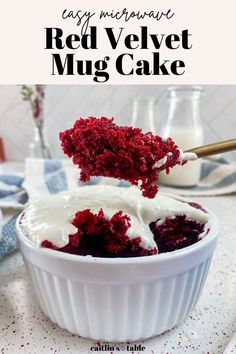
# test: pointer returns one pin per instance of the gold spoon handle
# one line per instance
(213, 149)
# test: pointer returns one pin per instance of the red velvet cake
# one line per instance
(100, 237)
(109, 221)
(101, 148)
(176, 233)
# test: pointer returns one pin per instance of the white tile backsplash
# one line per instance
(64, 104)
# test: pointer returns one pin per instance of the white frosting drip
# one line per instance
(160, 162)
(49, 218)
(189, 156)
(184, 156)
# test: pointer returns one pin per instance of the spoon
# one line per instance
(210, 149)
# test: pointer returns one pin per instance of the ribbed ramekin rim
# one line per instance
(158, 258)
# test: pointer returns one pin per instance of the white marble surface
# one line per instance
(24, 328)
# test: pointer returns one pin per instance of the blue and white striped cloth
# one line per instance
(12, 200)
(43, 177)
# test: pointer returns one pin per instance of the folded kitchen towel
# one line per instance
(12, 200)
(44, 177)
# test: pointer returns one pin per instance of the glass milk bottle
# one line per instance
(184, 126)
(143, 113)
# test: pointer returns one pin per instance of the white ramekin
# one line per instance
(119, 299)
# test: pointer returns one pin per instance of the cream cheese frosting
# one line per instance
(49, 218)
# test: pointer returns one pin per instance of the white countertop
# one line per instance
(24, 328)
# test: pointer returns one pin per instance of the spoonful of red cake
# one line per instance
(99, 147)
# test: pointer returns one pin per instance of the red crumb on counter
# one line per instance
(100, 237)
(99, 147)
